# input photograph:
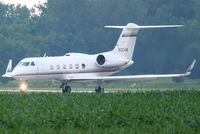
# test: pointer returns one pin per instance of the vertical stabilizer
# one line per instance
(126, 42)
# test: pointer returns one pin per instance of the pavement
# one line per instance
(51, 91)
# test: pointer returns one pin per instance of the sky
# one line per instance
(28, 3)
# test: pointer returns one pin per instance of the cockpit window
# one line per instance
(25, 63)
(19, 63)
(32, 64)
(67, 55)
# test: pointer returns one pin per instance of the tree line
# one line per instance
(78, 26)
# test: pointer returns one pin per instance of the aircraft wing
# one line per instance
(133, 77)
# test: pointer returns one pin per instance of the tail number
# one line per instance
(123, 49)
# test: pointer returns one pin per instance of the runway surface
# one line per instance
(51, 91)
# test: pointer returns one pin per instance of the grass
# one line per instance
(176, 111)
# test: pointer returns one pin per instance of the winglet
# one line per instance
(9, 69)
(189, 70)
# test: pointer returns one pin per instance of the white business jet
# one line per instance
(77, 67)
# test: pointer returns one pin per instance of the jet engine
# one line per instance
(104, 60)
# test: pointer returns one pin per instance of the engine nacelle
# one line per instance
(104, 60)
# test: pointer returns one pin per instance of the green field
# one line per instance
(176, 111)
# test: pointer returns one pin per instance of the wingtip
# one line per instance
(179, 25)
(189, 70)
(6, 76)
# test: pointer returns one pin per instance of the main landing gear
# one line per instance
(65, 88)
(99, 89)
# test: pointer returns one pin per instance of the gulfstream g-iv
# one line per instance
(77, 67)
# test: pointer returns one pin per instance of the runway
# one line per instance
(51, 91)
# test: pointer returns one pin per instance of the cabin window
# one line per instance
(64, 66)
(51, 67)
(76, 66)
(83, 66)
(70, 66)
(32, 64)
(58, 66)
(25, 64)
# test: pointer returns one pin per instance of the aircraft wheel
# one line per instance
(99, 89)
(67, 89)
(102, 90)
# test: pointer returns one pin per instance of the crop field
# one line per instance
(149, 112)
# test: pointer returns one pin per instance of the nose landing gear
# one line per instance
(23, 87)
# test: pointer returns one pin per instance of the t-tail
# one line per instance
(126, 43)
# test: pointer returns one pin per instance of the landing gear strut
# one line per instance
(99, 89)
(65, 88)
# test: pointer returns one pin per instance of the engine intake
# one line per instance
(101, 59)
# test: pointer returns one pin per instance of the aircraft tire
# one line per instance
(99, 89)
(67, 89)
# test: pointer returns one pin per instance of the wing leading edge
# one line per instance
(133, 77)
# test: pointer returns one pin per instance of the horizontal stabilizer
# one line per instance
(135, 26)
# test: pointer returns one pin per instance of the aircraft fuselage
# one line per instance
(64, 67)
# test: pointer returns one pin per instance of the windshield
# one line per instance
(19, 63)
(25, 63)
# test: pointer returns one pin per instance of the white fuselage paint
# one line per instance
(64, 68)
